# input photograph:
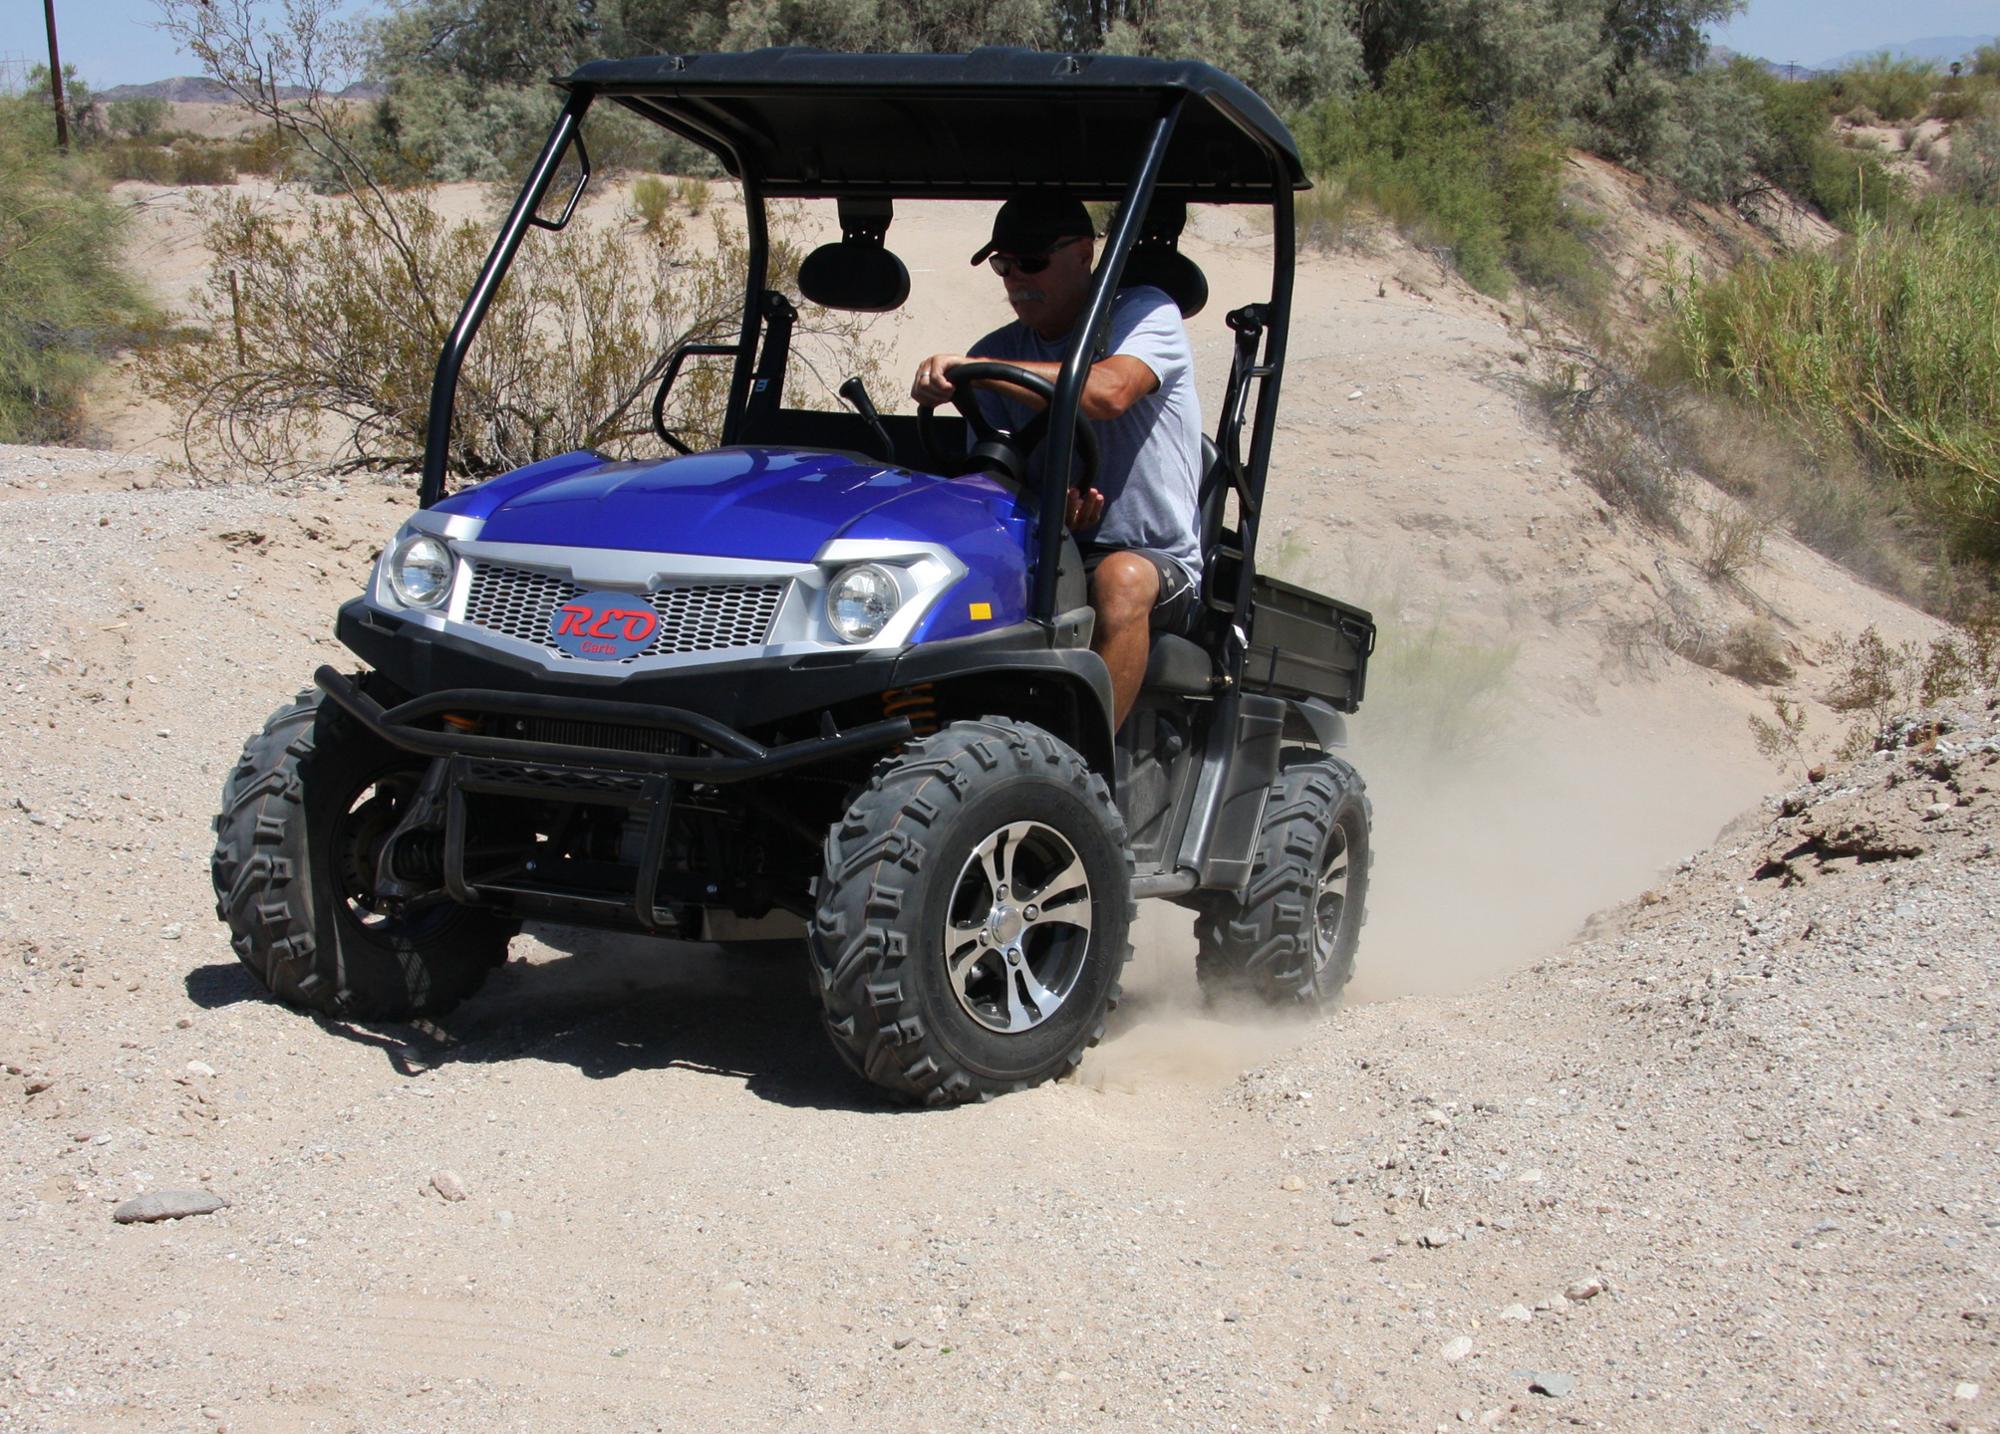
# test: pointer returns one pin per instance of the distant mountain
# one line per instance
(1940, 50)
(1722, 55)
(198, 89)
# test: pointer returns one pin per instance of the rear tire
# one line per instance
(1291, 939)
(974, 914)
(301, 815)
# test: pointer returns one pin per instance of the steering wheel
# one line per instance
(993, 446)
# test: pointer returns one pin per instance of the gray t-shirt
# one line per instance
(1149, 458)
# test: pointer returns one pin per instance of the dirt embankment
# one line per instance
(1724, 1161)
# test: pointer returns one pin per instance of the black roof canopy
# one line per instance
(809, 123)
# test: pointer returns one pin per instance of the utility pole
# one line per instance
(55, 77)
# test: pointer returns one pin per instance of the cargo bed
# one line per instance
(1305, 645)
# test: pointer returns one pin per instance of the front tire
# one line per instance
(974, 914)
(1291, 939)
(302, 814)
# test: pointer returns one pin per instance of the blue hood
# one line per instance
(759, 503)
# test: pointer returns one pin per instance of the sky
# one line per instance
(112, 42)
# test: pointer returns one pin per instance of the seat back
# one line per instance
(1156, 258)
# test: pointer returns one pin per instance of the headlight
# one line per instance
(420, 571)
(861, 600)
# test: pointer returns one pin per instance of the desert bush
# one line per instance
(1986, 60)
(1783, 735)
(65, 301)
(1626, 436)
(1732, 542)
(199, 163)
(1753, 652)
(1415, 151)
(1973, 170)
(1887, 341)
(1895, 89)
(152, 163)
(1961, 100)
(139, 117)
(693, 192)
(650, 199)
(1821, 494)
(343, 312)
(1708, 143)
(1292, 52)
(1793, 148)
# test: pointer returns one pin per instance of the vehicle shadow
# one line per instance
(611, 1004)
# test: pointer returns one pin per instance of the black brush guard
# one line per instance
(480, 764)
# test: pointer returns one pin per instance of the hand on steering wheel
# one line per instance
(998, 448)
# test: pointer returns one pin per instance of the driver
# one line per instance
(1137, 528)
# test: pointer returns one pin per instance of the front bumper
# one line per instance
(707, 750)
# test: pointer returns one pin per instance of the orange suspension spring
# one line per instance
(918, 703)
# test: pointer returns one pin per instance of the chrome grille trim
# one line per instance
(694, 617)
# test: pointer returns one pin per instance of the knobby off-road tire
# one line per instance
(293, 861)
(974, 915)
(1291, 938)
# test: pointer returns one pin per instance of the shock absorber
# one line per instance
(918, 703)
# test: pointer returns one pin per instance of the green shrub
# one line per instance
(1887, 341)
(1415, 150)
(65, 301)
(139, 117)
(152, 163)
(1974, 167)
(692, 191)
(651, 198)
(1485, 195)
(1895, 89)
(199, 163)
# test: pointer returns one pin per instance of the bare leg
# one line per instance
(1123, 591)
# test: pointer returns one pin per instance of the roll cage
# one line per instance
(806, 124)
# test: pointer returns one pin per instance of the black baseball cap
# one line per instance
(1036, 223)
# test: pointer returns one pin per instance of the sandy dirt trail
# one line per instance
(678, 1212)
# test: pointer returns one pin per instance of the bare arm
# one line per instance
(1113, 385)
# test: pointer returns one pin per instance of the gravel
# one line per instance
(1756, 1110)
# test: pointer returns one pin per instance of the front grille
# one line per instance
(616, 737)
(694, 617)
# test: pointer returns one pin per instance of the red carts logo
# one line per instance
(604, 627)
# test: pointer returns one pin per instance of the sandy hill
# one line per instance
(1722, 1161)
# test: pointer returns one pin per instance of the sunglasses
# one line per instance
(1005, 264)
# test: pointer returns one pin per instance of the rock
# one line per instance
(1519, 1314)
(1343, 1217)
(1584, 1289)
(1457, 1349)
(1529, 1177)
(200, 1068)
(1555, 1386)
(185, 1023)
(38, 1085)
(1965, 1389)
(167, 1205)
(447, 1184)
(903, 1340)
(1437, 1117)
(1434, 1239)
(1292, 1182)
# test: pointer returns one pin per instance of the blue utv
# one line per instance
(838, 667)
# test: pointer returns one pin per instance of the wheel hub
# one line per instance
(1018, 928)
